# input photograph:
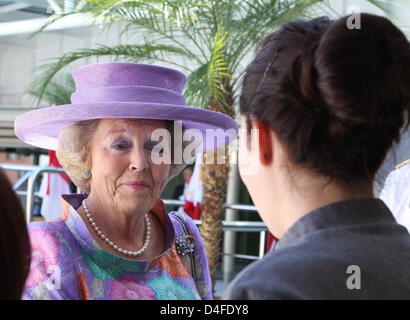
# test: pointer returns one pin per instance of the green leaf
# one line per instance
(58, 92)
(196, 90)
(217, 71)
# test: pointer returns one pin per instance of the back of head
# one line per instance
(14, 243)
(336, 97)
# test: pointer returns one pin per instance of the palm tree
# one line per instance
(58, 90)
(212, 37)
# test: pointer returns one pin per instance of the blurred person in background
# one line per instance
(396, 193)
(180, 192)
(14, 243)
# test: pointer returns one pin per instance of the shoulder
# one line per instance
(40, 225)
(302, 271)
(397, 182)
(275, 276)
(401, 172)
(403, 164)
(182, 221)
(46, 267)
(200, 262)
(178, 217)
(45, 234)
(46, 226)
(319, 265)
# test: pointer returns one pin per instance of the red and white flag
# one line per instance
(52, 187)
(195, 191)
(271, 241)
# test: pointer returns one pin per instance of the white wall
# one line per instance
(21, 56)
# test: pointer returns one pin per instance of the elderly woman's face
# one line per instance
(123, 172)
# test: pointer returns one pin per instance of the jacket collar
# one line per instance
(337, 214)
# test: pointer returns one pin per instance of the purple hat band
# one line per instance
(119, 74)
(124, 90)
(128, 82)
(128, 94)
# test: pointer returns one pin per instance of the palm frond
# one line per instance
(196, 89)
(385, 6)
(51, 20)
(135, 53)
(218, 73)
(165, 30)
(58, 92)
(264, 16)
(174, 11)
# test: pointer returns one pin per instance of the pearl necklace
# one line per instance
(113, 245)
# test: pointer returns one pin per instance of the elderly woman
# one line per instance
(116, 241)
(325, 117)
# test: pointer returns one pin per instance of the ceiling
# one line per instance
(24, 9)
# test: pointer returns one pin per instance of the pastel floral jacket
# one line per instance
(67, 263)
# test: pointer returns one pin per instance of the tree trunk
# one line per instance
(215, 177)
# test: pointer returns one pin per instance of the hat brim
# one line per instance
(42, 126)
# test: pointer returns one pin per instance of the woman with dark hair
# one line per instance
(326, 102)
(14, 243)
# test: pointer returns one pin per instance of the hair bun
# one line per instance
(337, 97)
(320, 24)
(363, 74)
(303, 70)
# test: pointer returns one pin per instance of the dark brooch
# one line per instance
(185, 244)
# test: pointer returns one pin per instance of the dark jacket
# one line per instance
(352, 249)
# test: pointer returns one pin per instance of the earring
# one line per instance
(87, 174)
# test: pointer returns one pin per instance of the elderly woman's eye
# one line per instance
(119, 145)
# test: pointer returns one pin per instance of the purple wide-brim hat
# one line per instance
(124, 90)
